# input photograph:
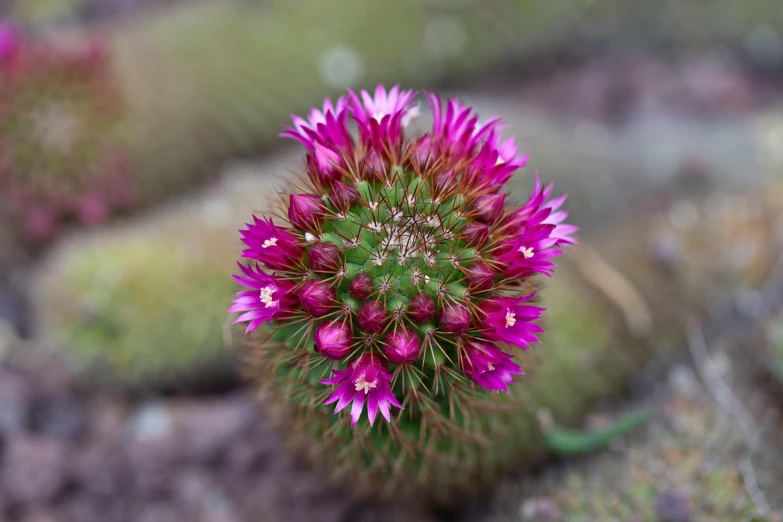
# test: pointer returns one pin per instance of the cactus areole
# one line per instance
(397, 284)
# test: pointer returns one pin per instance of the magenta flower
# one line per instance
(306, 211)
(455, 319)
(365, 380)
(402, 346)
(9, 40)
(317, 297)
(382, 117)
(509, 320)
(456, 132)
(269, 298)
(333, 339)
(489, 366)
(361, 286)
(481, 276)
(371, 317)
(539, 209)
(530, 252)
(324, 257)
(422, 308)
(327, 127)
(274, 246)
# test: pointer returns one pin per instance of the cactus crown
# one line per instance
(402, 279)
(59, 117)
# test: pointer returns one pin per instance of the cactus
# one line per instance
(60, 113)
(135, 309)
(403, 281)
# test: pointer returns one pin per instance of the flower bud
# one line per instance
(326, 162)
(402, 346)
(317, 297)
(343, 196)
(421, 308)
(306, 211)
(445, 181)
(324, 257)
(371, 317)
(454, 319)
(480, 276)
(361, 286)
(475, 233)
(333, 339)
(488, 208)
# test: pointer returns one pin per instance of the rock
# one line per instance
(39, 515)
(63, 417)
(14, 397)
(203, 499)
(674, 506)
(539, 509)
(33, 470)
(207, 428)
(151, 449)
(100, 471)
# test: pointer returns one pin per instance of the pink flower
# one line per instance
(381, 117)
(508, 320)
(371, 317)
(317, 297)
(333, 339)
(365, 380)
(402, 346)
(326, 126)
(274, 246)
(454, 319)
(456, 132)
(324, 257)
(489, 366)
(268, 298)
(540, 209)
(422, 308)
(530, 252)
(306, 211)
(361, 286)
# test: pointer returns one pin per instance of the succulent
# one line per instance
(401, 279)
(135, 308)
(60, 112)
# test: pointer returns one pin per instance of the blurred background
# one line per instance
(137, 136)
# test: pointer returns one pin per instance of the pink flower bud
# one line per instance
(421, 308)
(343, 196)
(454, 319)
(445, 181)
(317, 297)
(475, 233)
(488, 208)
(333, 339)
(402, 346)
(480, 276)
(361, 286)
(306, 211)
(371, 317)
(324, 257)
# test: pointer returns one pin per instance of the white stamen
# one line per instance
(378, 116)
(266, 296)
(511, 318)
(362, 385)
(269, 242)
(412, 114)
(490, 367)
(527, 252)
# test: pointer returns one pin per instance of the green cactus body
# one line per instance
(136, 309)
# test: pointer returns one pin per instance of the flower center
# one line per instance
(511, 318)
(490, 367)
(266, 296)
(269, 242)
(362, 385)
(527, 252)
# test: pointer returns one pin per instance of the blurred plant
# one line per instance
(60, 111)
(110, 305)
(403, 280)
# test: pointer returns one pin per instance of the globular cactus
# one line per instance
(60, 114)
(397, 279)
(138, 309)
